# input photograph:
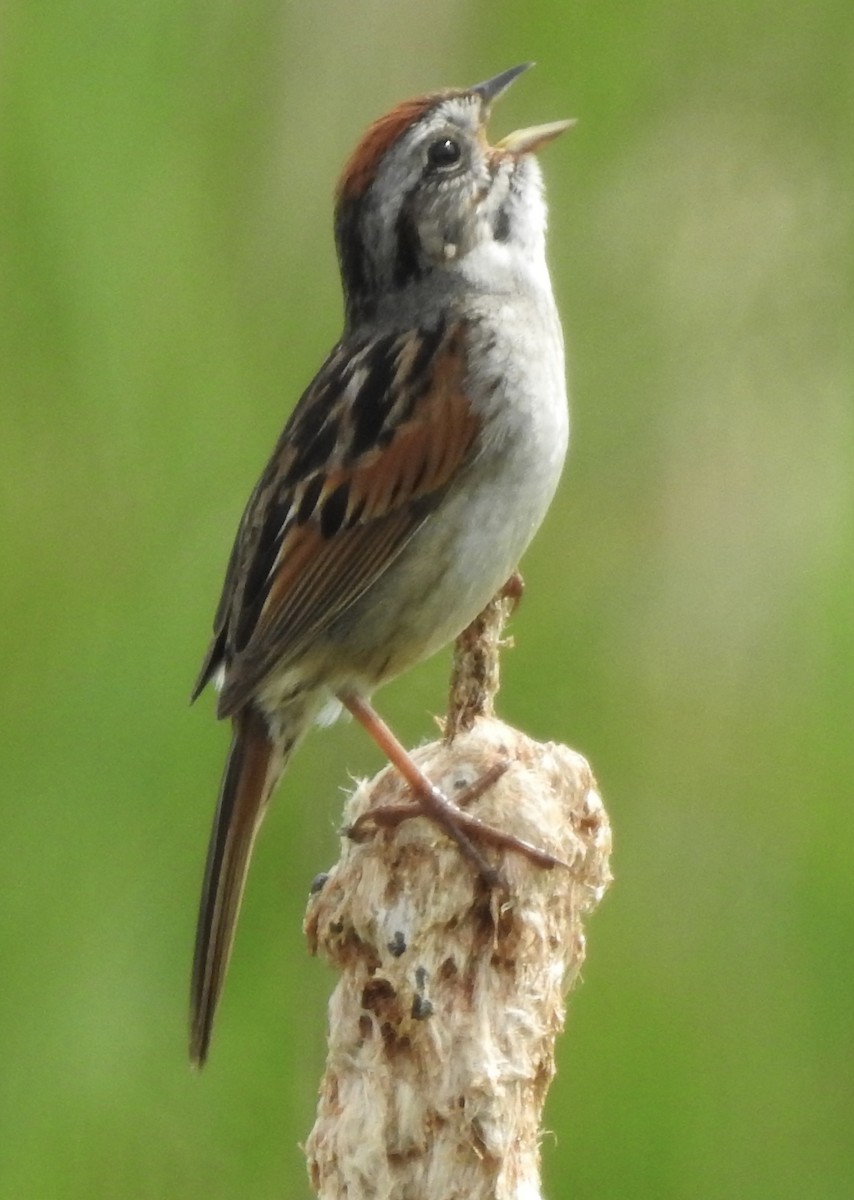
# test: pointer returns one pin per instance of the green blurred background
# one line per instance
(168, 286)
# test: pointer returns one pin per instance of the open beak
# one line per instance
(491, 89)
(523, 141)
(526, 141)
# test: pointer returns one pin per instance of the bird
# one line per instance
(407, 482)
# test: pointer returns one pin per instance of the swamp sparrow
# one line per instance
(408, 480)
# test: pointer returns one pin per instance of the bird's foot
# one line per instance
(463, 828)
(460, 826)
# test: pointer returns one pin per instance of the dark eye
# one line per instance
(443, 153)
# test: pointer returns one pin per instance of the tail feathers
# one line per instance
(252, 770)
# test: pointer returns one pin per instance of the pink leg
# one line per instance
(431, 803)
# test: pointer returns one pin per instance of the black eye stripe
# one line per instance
(407, 263)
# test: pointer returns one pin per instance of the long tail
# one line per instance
(255, 762)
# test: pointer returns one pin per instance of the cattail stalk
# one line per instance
(442, 1026)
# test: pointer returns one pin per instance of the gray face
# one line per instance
(439, 192)
(445, 175)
